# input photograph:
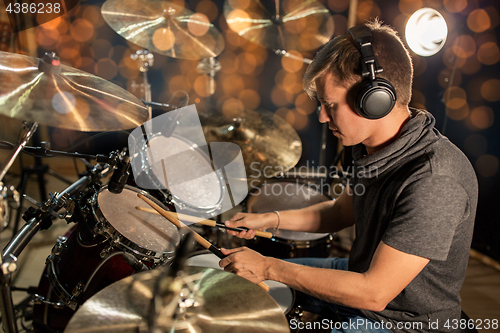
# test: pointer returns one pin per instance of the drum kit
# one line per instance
(117, 269)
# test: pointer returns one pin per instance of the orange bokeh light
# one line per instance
(198, 24)
(490, 89)
(478, 20)
(482, 117)
(163, 39)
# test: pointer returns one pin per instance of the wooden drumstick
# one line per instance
(209, 223)
(202, 241)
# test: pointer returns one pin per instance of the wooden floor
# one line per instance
(480, 292)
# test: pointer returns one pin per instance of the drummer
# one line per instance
(414, 219)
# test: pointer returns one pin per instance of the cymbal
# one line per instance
(229, 303)
(269, 144)
(286, 27)
(72, 99)
(163, 27)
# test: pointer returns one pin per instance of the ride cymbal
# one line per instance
(68, 98)
(163, 27)
(284, 25)
(269, 145)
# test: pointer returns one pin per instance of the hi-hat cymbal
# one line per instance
(287, 25)
(229, 304)
(269, 144)
(71, 99)
(164, 28)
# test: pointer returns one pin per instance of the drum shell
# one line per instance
(86, 260)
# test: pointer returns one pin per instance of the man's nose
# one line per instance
(323, 115)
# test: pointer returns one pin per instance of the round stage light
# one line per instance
(426, 32)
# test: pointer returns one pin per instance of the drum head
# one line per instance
(147, 230)
(280, 292)
(203, 192)
(286, 195)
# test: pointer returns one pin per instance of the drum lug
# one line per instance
(38, 299)
(106, 251)
(59, 247)
(99, 228)
(78, 289)
(295, 313)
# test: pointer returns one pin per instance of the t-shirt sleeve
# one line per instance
(425, 217)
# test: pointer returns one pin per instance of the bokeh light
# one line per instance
(198, 24)
(209, 8)
(163, 39)
(478, 20)
(488, 53)
(106, 68)
(338, 5)
(490, 90)
(304, 104)
(455, 97)
(455, 6)
(292, 64)
(366, 10)
(233, 108)
(464, 46)
(482, 117)
(487, 166)
(408, 7)
(250, 98)
(82, 30)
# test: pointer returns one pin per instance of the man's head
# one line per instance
(341, 58)
(334, 75)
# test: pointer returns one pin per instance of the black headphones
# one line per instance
(374, 97)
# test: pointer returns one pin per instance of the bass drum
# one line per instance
(287, 194)
(112, 240)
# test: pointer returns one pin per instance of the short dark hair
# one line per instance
(341, 58)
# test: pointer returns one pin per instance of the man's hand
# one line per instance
(246, 263)
(252, 222)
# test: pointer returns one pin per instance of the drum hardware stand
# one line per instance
(146, 60)
(37, 219)
(40, 169)
(209, 67)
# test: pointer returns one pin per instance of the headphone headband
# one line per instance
(374, 97)
(362, 37)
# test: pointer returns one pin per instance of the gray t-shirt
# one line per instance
(419, 196)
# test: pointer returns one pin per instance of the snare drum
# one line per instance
(202, 196)
(89, 258)
(281, 293)
(286, 194)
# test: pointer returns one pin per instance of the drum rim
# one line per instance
(112, 234)
(175, 199)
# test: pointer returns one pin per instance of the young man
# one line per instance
(413, 199)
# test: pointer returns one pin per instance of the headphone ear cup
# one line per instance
(374, 100)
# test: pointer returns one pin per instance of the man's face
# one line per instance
(338, 111)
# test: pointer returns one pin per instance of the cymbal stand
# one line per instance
(145, 60)
(209, 67)
(40, 170)
(285, 53)
(27, 131)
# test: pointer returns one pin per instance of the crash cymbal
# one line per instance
(269, 144)
(164, 28)
(282, 24)
(227, 303)
(71, 99)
